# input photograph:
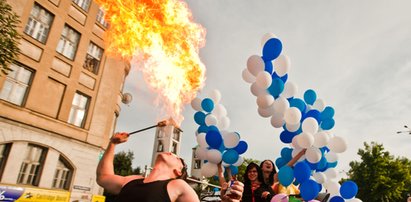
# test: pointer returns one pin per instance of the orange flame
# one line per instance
(161, 34)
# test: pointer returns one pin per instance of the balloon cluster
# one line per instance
(306, 125)
(215, 143)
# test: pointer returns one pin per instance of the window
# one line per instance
(4, 153)
(16, 85)
(38, 25)
(93, 57)
(176, 134)
(84, 4)
(160, 133)
(32, 165)
(68, 42)
(160, 147)
(100, 18)
(78, 110)
(174, 148)
(62, 176)
(197, 164)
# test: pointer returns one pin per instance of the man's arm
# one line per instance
(105, 169)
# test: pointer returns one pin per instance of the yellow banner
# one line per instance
(43, 195)
(98, 198)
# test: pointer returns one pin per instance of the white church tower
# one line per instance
(167, 139)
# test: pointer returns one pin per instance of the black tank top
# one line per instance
(138, 191)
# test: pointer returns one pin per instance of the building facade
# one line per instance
(58, 107)
(167, 139)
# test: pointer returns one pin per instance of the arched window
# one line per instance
(62, 176)
(32, 165)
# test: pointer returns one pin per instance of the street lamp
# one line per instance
(408, 130)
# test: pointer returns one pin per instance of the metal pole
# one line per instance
(159, 124)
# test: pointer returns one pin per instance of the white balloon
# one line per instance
(290, 90)
(266, 112)
(280, 105)
(211, 120)
(294, 143)
(196, 104)
(295, 152)
(201, 152)
(321, 139)
(201, 140)
(265, 100)
(331, 173)
(292, 127)
(310, 125)
(255, 64)
(263, 80)
(319, 177)
(282, 65)
(305, 140)
(215, 95)
(277, 120)
(331, 156)
(214, 156)
(266, 37)
(337, 144)
(255, 90)
(231, 139)
(332, 187)
(219, 111)
(319, 104)
(224, 123)
(292, 115)
(313, 155)
(239, 161)
(209, 169)
(247, 76)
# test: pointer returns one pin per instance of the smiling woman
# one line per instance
(254, 185)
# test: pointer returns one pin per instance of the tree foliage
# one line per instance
(123, 164)
(9, 36)
(380, 176)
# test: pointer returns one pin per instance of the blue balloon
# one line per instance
(313, 166)
(286, 136)
(327, 124)
(207, 104)
(222, 148)
(310, 96)
(322, 164)
(268, 66)
(241, 147)
(286, 175)
(283, 78)
(299, 103)
(332, 164)
(309, 190)
(348, 189)
(280, 162)
(202, 129)
(337, 199)
(302, 172)
(234, 170)
(314, 114)
(272, 49)
(214, 139)
(327, 113)
(230, 156)
(214, 128)
(276, 87)
(286, 153)
(199, 118)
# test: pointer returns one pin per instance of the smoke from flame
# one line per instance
(162, 36)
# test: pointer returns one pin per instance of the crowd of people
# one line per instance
(166, 182)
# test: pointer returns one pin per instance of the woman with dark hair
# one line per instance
(268, 169)
(255, 190)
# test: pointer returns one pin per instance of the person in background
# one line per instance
(164, 183)
(268, 169)
(255, 190)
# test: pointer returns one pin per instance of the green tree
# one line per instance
(9, 36)
(123, 164)
(380, 176)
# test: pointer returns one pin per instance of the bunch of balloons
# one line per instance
(306, 124)
(215, 143)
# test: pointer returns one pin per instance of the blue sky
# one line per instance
(355, 54)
